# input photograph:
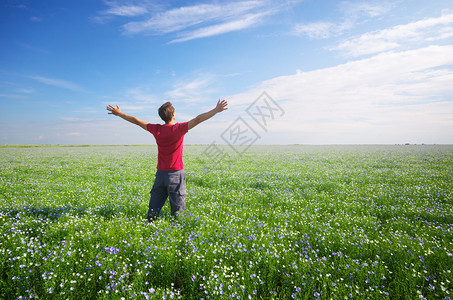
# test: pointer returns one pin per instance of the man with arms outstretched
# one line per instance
(170, 178)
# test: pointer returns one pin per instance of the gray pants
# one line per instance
(171, 184)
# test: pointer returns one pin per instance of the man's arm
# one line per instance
(117, 112)
(221, 106)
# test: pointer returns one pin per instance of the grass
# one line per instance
(281, 222)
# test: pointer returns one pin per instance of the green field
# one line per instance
(280, 222)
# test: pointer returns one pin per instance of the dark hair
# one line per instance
(166, 112)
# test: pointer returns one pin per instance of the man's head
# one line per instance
(166, 112)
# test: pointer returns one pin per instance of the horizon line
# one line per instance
(189, 145)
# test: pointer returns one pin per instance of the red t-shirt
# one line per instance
(169, 139)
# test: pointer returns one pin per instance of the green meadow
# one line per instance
(277, 222)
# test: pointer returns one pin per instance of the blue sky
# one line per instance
(342, 72)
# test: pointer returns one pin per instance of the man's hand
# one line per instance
(221, 106)
(117, 112)
(114, 111)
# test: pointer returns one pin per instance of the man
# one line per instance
(170, 178)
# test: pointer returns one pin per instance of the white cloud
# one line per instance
(12, 96)
(127, 10)
(141, 94)
(26, 91)
(321, 30)
(399, 36)
(59, 83)
(355, 10)
(122, 9)
(181, 18)
(245, 22)
(192, 21)
(193, 90)
(353, 13)
(389, 98)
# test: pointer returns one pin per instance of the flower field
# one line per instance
(280, 222)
